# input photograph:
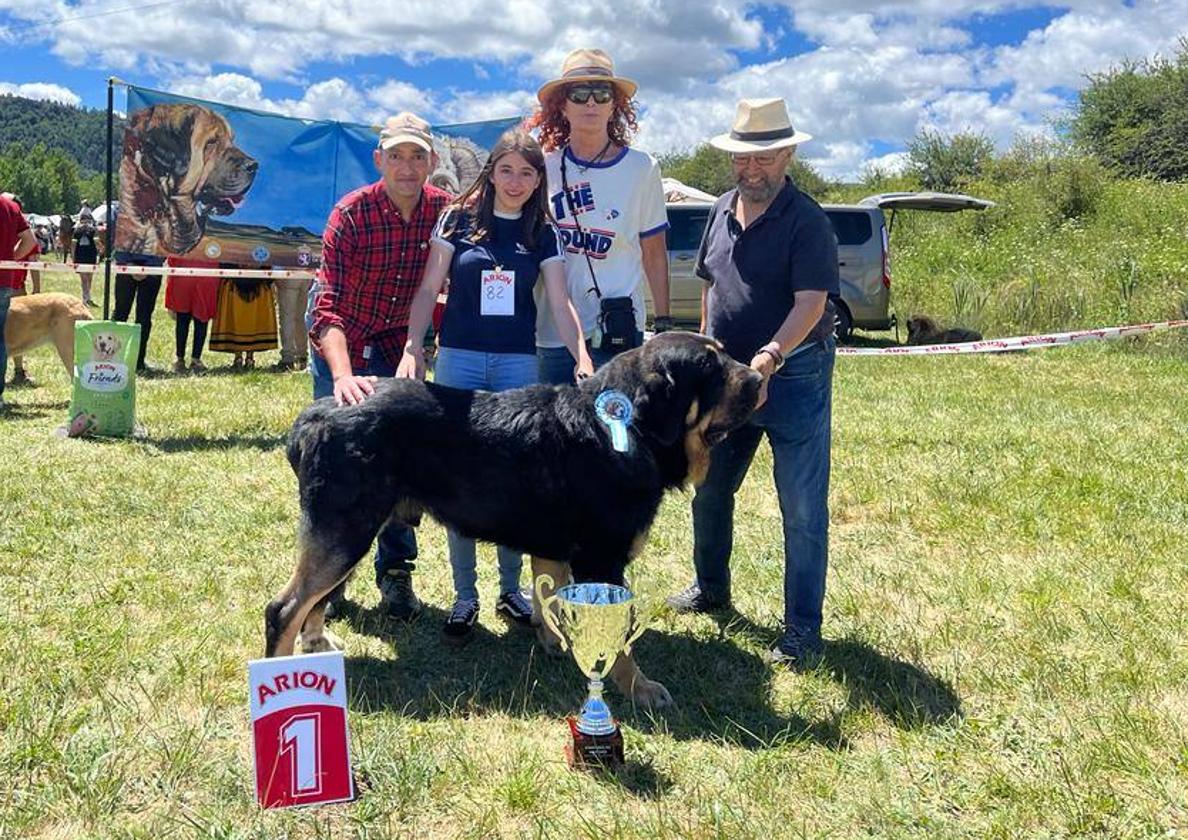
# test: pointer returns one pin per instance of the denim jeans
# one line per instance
(5, 300)
(556, 364)
(474, 370)
(796, 420)
(396, 546)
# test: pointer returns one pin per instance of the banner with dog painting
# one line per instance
(217, 182)
(104, 398)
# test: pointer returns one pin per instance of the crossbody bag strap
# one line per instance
(573, 212)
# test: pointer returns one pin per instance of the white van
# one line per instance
(863, 254)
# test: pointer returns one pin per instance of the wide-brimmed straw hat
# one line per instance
(759, 125)
(587, 65)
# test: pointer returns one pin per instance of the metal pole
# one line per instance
(107, 235)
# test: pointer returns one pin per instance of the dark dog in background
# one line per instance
(531, 468)
(925, 330)
(180, 165)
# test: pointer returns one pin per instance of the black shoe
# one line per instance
(459, 627)
(694, 600)
(798, 649)
(398, 597)
(515, 607)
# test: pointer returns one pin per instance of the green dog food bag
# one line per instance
(104, 397)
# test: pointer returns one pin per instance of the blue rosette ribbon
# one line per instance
(614, 411)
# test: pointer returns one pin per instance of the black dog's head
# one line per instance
(687, 394)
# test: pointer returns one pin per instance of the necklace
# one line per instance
(593, 161)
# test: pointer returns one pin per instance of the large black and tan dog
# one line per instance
(180, 166)
(532, 469)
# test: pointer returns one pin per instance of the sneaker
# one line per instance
(397, 594)
(196, 366)
(694, 600)
(459, 627)
(179, 366)
(515, 607)
(797, 649)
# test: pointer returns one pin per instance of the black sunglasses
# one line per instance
(580, 94)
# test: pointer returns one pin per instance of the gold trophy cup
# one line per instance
(596, 622)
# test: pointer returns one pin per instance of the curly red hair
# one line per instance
(554, 128)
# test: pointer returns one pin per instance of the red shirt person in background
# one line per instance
(191, 300)
(16, 243)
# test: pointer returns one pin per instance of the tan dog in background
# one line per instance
(34, 320)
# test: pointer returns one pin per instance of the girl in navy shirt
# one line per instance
(495, 244)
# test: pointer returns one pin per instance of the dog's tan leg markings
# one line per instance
(559, 572)
(643, 692)
(317, 573)
(314, 637)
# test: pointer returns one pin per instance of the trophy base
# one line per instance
(590, 752)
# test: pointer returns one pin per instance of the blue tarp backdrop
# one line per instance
(233, 185)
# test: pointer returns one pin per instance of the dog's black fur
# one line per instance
(532, 468)
(925, 330)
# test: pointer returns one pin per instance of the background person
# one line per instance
(139, 290)
(245, 319)
(769, 260)
(16, 242)
(85, 251)
(374, 251)
(494, 243)
(613, 218)
(193, 301)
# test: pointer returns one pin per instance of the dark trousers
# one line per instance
(144, 292)
(796, 420)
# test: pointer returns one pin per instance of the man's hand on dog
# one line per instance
(352, 390)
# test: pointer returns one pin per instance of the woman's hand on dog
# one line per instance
(412, 364)
(352, 390)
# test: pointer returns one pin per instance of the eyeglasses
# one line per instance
(580, 94)
(742, 160)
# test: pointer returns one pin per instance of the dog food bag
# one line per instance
(104, 397)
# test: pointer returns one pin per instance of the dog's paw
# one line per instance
(321, 643)
(650, 694)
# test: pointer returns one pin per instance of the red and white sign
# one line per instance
(299, 730)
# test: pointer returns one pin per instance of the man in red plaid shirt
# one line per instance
(374, 252)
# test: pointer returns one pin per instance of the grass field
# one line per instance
(1005, 621)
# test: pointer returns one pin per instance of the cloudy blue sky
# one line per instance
(862, 77)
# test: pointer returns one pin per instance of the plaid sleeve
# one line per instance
(338, 262)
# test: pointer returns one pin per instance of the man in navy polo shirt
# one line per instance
(769, 260)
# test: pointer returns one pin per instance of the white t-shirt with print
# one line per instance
(618, 202)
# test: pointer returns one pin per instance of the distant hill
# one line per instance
(79, 132)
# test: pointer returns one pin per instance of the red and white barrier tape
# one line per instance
(1015, 343)
(176, 271)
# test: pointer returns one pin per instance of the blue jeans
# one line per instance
(5, 300)
(474, 370)
(396, 546)
(796, 419)
(556, 364)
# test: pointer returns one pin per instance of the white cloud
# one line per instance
(873, 76)
(42, 90)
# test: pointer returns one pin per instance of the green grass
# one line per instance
(1005, 618)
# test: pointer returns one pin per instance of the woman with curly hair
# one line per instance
(609, 206)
